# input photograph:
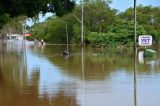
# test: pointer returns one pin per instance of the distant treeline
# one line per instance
(102, 25)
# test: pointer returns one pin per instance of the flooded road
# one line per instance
(33, 75)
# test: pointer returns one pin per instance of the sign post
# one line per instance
(145, 40)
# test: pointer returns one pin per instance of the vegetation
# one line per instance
(13, 26)
(30, 8)
(148, 17)
(120, 34)
(95, 19)
(102, 25)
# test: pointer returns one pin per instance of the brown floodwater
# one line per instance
(32, 75)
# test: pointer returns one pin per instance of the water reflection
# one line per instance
(148, 62)
(135, 72)
(13, 63)
(88, 77)
(141, 57)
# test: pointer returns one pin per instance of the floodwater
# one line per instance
(32, 75)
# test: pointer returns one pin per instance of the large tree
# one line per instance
(148, 17)
(30, 8)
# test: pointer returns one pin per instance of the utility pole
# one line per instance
(23, 30)
(82, 28)
(81, 21)
(135, 54)
(135, 38)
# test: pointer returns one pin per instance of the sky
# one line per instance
(41, 19)
(120, 5)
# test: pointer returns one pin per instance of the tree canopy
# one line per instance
(30, 8)
(102, 24)
(148, 17)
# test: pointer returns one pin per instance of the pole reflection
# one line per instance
(83, 76)
(82, 54)
(135, 80)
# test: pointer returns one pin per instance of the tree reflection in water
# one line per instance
(19, 89)
(88, 77)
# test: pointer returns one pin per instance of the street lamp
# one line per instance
(100, 29)
(66, 29)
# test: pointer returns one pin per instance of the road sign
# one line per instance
(145, 40)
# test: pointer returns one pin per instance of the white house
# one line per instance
(15, 36)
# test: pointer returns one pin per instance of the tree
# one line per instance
(124, 31)
(148, 17)
(98, 17)
(14, 25)
(30, 8)
(121, 33)
(4, 19)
